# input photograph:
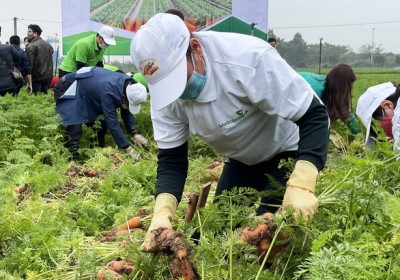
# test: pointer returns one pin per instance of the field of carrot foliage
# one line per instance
(53, 210)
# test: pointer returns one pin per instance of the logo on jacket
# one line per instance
(240, 114)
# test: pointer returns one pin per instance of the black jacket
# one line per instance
(8, 58)
(40, 55)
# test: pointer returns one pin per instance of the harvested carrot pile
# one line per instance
(261, 236)
(75, 170)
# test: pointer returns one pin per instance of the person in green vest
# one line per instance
(126, 116)
(88, 51)
(335, 90)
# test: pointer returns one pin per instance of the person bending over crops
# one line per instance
(380, 103)
(92, 91)
(247, 104)
(127, 118)
(335, 90)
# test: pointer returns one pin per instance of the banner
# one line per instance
(80, 18)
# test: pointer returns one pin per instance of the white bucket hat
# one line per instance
(108, 35)
(136, 95)
(158, 50)
(369, 101)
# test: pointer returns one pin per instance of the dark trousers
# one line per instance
(74, 134)
(265, 177)
(13, 91)
(41, 86)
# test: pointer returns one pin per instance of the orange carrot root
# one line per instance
(89, 172)
(107, 274)
(121, 267)
(171, 241)
(134, 222)
(265, 230)
(262, 235)
(117, 157)
(115, 270)
(183, 269)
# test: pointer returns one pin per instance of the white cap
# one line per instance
(370, 100)
(136, 95)
(158, 50)
(108, 35)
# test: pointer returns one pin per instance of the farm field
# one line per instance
(53, 210)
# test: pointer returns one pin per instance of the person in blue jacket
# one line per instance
(335, 90)
(82, 96)
(127, 118)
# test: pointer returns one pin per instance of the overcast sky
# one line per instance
(343, 22)
(354, 20)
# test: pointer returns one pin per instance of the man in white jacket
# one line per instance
(237, 94)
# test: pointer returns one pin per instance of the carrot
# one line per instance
(171, 241)
(89, 172)
(120, 267)
(142, 213)
(109, 232)
(183, 269)
(253, 235)
(115, 270)
(117, 157)
(214, 164)
(264, 244)
(147, 68)
(134, 222)
(108, 274)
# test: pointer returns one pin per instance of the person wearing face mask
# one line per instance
(82, 96)
(247, 104)
(40, 55)
(380, 103)
(88, 51)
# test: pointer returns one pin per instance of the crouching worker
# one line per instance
(380, 103)
(126, 116)
(248, 105)
(84, 95)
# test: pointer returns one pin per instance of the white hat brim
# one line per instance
(109, 41)
(134, 109)
(170, 88)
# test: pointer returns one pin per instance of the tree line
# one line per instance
(299, 54)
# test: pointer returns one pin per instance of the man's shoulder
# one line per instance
(5, 47)
(88, 40)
